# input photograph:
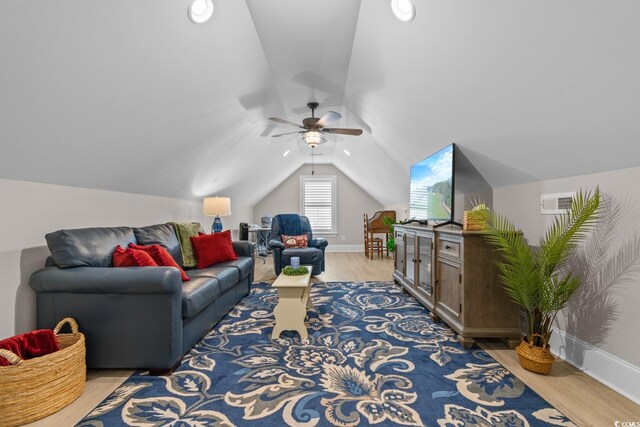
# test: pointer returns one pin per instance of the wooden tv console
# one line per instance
(453, 273)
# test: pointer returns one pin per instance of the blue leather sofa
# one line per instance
(135, 317)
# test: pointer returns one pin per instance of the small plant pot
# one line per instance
(535, 358)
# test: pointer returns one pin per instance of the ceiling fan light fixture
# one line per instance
(313, 138)
(404, 10)
(200, 11)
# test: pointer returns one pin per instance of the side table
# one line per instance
(293, 302)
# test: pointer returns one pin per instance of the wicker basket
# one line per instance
(533, 358)
(475, 220)
(32, 389)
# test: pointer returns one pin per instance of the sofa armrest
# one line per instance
(243, 248)
(275, 244)
(318, 242)
(131, 317)
(100, 280)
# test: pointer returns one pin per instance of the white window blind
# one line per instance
(318, 202)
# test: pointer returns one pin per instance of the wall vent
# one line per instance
(557, 203)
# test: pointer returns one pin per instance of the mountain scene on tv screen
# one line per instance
(431, 188)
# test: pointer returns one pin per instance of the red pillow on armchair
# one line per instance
(295, 241)
(162, 257)
(213, 248)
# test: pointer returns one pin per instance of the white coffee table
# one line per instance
(293, 301)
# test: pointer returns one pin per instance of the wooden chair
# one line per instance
(371, 244)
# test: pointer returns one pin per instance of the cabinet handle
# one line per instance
(447, 247)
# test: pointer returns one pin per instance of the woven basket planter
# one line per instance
(533, 358)
(475, 220)
(32, 389)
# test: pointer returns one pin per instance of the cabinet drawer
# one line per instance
(448, 248)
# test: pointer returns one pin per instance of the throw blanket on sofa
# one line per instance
(30, 345)
(290, 224)
(185, 230)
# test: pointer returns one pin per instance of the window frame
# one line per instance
(334, 201)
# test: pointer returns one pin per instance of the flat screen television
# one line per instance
(431, 187)
(443, 185)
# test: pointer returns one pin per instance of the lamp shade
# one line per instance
(216, 206)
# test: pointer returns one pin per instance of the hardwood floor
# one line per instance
(584, 400)
(340, 266)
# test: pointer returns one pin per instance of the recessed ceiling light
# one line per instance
(347, 153)
(286, 153)
(200, 11)
(404, 10)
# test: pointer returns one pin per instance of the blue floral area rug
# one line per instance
(373, 357)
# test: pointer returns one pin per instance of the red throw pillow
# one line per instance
(131, 258)
(162, 257)
(213, 248)
(295, 241)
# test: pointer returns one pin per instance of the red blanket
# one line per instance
(30, 345)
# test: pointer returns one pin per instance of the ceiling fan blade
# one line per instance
(283, 134)
(331, 116)
(342, 131)
(286, 122)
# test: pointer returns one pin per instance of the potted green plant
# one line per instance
(536, 278)
(389, 222)
(391, 242)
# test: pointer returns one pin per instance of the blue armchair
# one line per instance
(295, 225)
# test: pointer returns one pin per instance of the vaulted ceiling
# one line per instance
(132, 96)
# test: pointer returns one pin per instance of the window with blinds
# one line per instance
(318, 202)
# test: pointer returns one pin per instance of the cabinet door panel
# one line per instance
(400, 257)
(410, 251)
(449, 287)
(424, 265)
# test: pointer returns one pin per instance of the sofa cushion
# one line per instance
(243, 264)
(163, 235)
(197, 294)
(308, 256)
(227, 276)
(212, 249)
(87, 247)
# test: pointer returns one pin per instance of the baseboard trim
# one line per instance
(345, 248)
(606, 368)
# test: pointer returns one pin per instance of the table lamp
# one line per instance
(216, 206)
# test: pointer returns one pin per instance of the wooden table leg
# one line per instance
(307, 297)
(371, 245)
(290, 312)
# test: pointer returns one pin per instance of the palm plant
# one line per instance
(391, 241)
(389, 222)
(535, 279)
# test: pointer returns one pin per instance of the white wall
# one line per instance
(401, 209)
(598, 331)
(353, 202)
(30, 210)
